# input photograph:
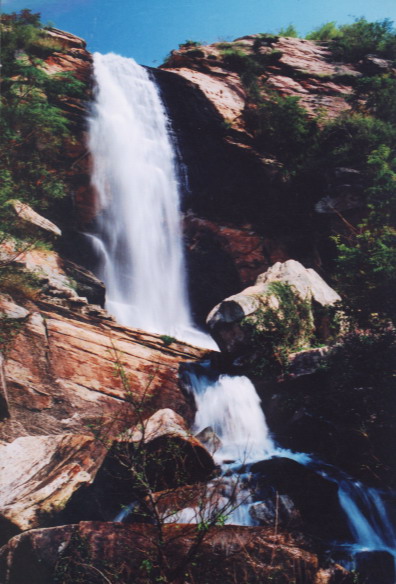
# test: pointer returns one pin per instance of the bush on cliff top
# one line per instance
(351, 42)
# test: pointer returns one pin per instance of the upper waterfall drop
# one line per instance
(137, 234)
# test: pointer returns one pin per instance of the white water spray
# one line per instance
(230, 406)
(138, 235)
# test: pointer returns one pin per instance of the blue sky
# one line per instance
(148, 30)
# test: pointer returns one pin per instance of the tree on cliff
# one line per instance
(33, 128)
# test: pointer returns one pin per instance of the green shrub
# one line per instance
(364, 360)
(289, 31)
(348, 140)
(33, 128)
(283, 128)
(276, 332)
(378, 97)
(19, 283)
(189, 44)
(9, 328)
(363, 37)
(326, 32)
(167, 340)
(351, 42)
(366, 262)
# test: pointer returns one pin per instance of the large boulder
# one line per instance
(227, 321)
(314, 497)
(38, 476)
(172, 455)
(157, 454)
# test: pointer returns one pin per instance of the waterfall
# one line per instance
(137, 235)
(368, 517)
(231, 408)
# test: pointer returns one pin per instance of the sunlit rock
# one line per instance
(28, 216)
(39, 474)
(226, 319)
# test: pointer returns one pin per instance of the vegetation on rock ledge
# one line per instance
(34, 130)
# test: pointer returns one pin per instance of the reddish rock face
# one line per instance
(64, 373)
(93, 552)
(39, 474)
(75, 59)
(69, 378)
(303, 69)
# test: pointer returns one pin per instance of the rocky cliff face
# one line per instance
(70, 374)
(73, 58)
(237, 195)
(295, 66)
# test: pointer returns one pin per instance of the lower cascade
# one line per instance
(230, 408)
(137, 234)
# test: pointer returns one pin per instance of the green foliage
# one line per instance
(348, 140)
(19, 283)
(275, 332)
(289, 31)
(189, 44)
(377, 96)
(326, 32)
(363, 37)
(9, 328)
(167, 340)
(366, 263)
(33, 128)
(238, 60)
(351, 42)
(364, 360)
(283, 129)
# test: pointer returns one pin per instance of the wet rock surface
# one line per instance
(314, 497)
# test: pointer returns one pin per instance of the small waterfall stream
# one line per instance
(137, 235)
(230, 407)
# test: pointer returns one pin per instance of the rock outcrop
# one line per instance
(39, 474)
(71, 385)
(95, 551)
(66, 371)
(176, 457)
(226, 320)
(75, 60)
(296, 67)
(29, 217)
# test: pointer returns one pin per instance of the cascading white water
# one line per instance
(368, 517)
(231, 408)
(138, 235)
